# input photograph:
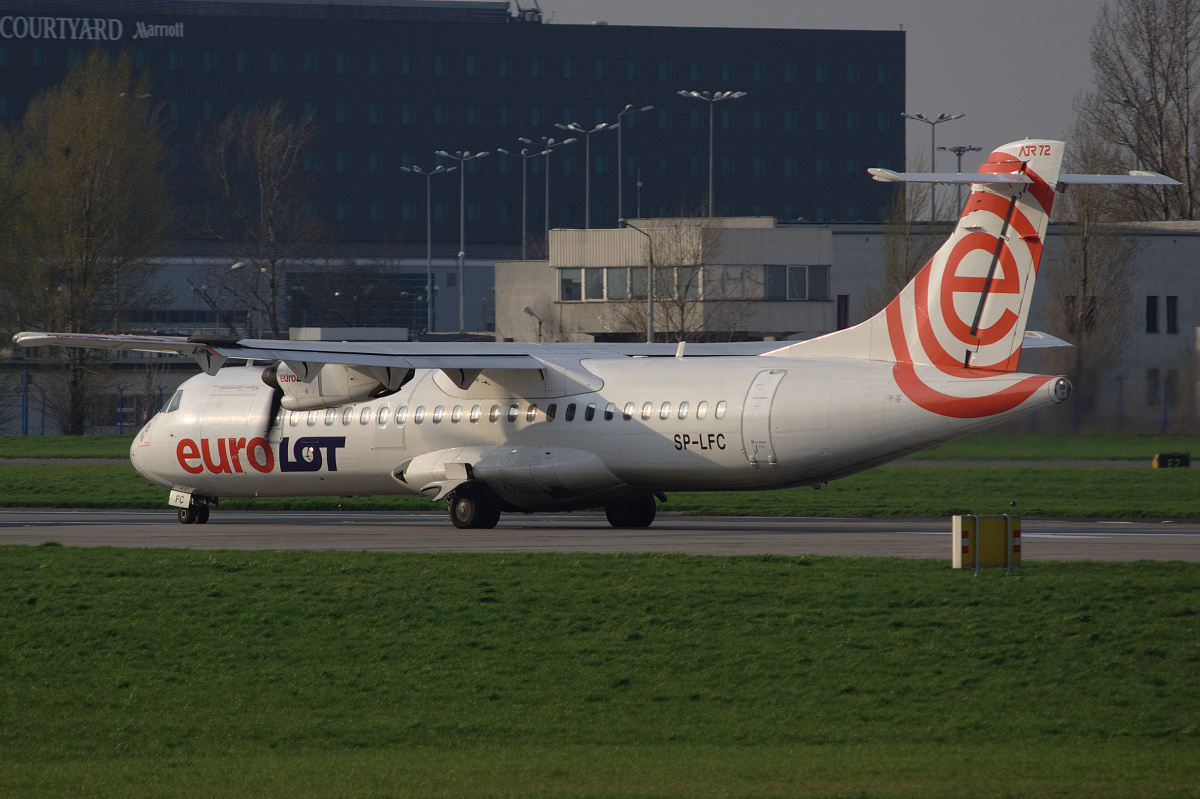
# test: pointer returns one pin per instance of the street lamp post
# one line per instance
(529, 311)
(960, 150)
(462, 157)
(712, 98)
(437, 170)
(575, 127)
(649, 280)
(933, 122)
(620, 157)
(525, 155)
(548, 144)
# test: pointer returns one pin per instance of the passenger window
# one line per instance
(720, 412)
(647, 410)
(385, 415)
(294, 418)
(514, 411)
(664, 412)
(348, 415)
(683, 410)
(610, 411)
(279, 417)
(569, 415)
(176, 398)
(438, 413)
(494, 414)
(419, 414)
(589, 413)
(628, 412)
(551, 410)
(475, 412)
(330, 415)
(702, 411)
(312, 418)
(456, 414)
(365, 416)
(531, 414)
(402, 414)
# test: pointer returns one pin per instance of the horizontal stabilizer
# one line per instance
(1134, 178)
(1037, 340)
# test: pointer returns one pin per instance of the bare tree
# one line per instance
(695, 297)
(255, 165)
(1145, 54)
(87, 216)
(907, 240)
(1092, 269)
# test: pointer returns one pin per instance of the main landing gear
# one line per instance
(474, 507)
(631, 513)
(195, 513)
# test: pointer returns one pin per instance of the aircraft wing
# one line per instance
(305, 357)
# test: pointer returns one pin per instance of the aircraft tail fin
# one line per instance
(968, 306)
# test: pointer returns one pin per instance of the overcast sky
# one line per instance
(1012, 67)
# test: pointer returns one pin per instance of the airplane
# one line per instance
(511, 427)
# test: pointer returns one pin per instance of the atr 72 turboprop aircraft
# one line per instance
(536, 427)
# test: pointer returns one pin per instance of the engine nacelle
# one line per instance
(332, 384)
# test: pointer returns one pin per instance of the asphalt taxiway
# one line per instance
(1042, 539)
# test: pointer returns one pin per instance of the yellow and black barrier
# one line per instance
(987, 542)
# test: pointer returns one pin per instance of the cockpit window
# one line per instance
(173, 405)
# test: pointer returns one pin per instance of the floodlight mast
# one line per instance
(712, 98)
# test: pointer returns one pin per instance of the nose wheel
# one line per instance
(195, 513)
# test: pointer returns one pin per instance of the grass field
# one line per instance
(179, 673)
(896, 491)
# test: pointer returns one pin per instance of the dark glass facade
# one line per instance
(389, 85)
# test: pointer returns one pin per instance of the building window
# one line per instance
(821, 120)
(883, 74)
(441, 211)
(343, 211)
(343, 162)
(242, 61)
(506, 67)
(374, 162)
(760, 170)
(175, 109)
(821, 167)
(664, 166)
(408, 65)
(698, 167)
(309, 63)
(209, 60)
(506, 115)
(208, 111)
(791, 169)
(277, 62)
(851, 167)
(664, 70)
(1152, 313)
(375, 210)
(375, 64)
(174, 59)
(633, 69)
(602, 165)
(570, 285)
(728, 166)
(441, 65)
(760, 71)
(537, 116)
(602, 69)
(570, 164)
(697, 70)
(791, 120)
(441, 114)
(1172, 314)
(821, 73)
(408, 211)
(853, 121)
(570, 68)
(341, 113)
(664, 118)
(309, 162)
(342, 63)
(473, 66)
(474, 211)
(726, 70)
(5, 108)
(569, 115)
(791, 72)
(883, 121)
(374, 113)
(760, 119)
(728, 119)
(537, 67)
(601, 115)
(853, 73)
(474, 115)
(408, 113)
(697, 120)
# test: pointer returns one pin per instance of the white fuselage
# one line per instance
(613, 428)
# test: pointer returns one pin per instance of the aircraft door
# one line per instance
(228, 412)
(756, 417)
